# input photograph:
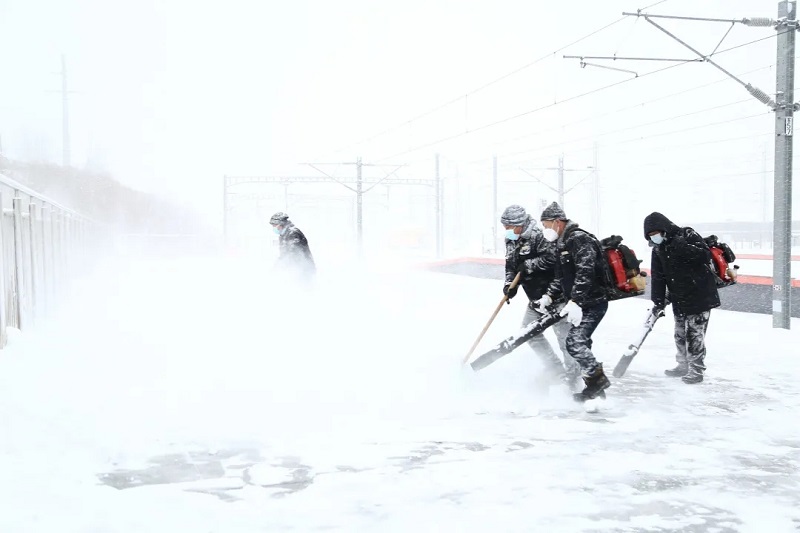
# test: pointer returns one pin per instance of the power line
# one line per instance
(620, 110)
(627, 128)
(773, 36)
(738, 174)
(729, 121)
(519, 115)
(696, 164)
(484, 86)
(703, 179)
(652, 5)
(661, 148)
(525, 113)
(662, 134)
(547, 106)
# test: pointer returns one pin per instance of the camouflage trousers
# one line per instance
(579, 338)
(690, 340)
(541, 346)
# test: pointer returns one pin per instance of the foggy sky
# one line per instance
(172, 95)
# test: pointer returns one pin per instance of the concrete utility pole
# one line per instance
(495, 221)
(597, 203)
(359, 207)
(764, 199)
(65, 145)
(784, 107)
(439, 218)
(66, 150)
(229, 182)
(784, 133)
(560, 191)
(360, 190)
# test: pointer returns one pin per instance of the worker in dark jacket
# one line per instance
(294, 253)
(579, 280)
(529, 253)
(681, 264)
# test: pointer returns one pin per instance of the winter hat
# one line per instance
(279, 219)
(514, 215)
(553, 212)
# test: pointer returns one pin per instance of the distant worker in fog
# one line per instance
(295, 255)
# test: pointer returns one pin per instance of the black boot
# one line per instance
(679, 371)
(596, 384)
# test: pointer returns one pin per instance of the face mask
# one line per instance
(276, 231)
(511, 236)
(550, 234)
(657, 238)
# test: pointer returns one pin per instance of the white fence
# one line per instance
(41, 242)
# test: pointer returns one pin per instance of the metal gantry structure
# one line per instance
(560, 189)
(357, 184)
(784, 107)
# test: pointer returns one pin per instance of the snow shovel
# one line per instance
(633, 349)
(489, 323)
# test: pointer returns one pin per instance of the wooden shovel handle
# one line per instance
(489, 323)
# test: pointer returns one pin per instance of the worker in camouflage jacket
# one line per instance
(294, 257)
(681, 268)
(579, 280)
(531, 255)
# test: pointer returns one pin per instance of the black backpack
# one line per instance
(623, 276)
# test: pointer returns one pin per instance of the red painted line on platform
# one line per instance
(763, 257)
(744, 280)
(459, 260)
(750, 280)
(763, 280)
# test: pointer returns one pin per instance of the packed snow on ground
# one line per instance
(205, 394)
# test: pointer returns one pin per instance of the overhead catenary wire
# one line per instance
(609, 148)
(666, 133)
(666, 119)
(483, 87)
(732, 175)
(651, 5)
(606, 146)
(553, 104)
(620, 110)
(522, 114)
(756, 92)
(628, 128)
(700, 163)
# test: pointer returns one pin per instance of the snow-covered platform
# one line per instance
(199, 396)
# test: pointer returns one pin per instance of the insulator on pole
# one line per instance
(759, 21)
(761, 96)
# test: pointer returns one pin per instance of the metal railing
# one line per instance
(40, 242)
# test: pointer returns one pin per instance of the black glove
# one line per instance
(658, 309)
(510, 292)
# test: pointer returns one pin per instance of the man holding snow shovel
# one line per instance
(579, 280)
(529, 253)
